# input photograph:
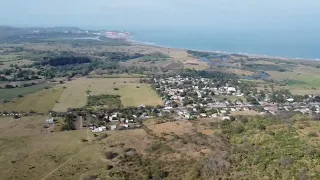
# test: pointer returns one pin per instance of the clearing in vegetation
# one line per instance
(131, 92)
(42, 101)
(104, 101)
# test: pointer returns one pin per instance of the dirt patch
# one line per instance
(137, 139)
(177, 127)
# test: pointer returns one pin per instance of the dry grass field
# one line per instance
(180, 149)
(7, 64)
(176, 127)
(41, 101)
(28, 151)
(131, 91)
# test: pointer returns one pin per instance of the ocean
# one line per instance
(304, 44)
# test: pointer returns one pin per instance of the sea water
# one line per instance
(291, 43)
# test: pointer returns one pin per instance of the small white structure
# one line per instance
(290, 100)
(224, 118)
(99, 129)
(203, 115)
(113, 127)
(50, 121)
(231, 90)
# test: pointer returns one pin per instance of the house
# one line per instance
(50, 121)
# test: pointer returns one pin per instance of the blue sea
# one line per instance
(293, 43)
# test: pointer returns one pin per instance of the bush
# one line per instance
(313, 134)
(286, 161)
(84, 140)
(158, 147)
(111, 155)
(116, 89)
(20, 96)
(261, 127)
(238, 129)
(108, 167)
(5, 101)
(45, 126)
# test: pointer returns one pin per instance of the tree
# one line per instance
(69, 123)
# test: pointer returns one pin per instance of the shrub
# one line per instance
(158, 147)
(238, 129)
(20, 96)
(45, 126)
(5, 101)
(108, 167)
(286, 161)
(84, 140)
(313, 134)
(261, 127)
(111, 155)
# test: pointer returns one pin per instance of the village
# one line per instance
(190, 98)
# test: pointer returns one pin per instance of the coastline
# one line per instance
(143, 43)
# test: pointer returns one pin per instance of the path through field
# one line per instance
(68, 159)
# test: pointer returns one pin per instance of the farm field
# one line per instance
(299, 82)
(131, 92)
(41, 101)
(9, 94)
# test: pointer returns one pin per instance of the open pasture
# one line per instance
(131, 92)
(28, 151)
(41, 101)
(9, 94)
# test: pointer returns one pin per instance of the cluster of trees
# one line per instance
(215, 75)
(65, 60)
(119, 56)
(69, 123)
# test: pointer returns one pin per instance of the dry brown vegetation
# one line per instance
(247, 148)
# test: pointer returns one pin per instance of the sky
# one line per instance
(155, 14)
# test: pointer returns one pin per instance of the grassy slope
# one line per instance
(191, 150)
(42, 101)
(29, 152)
